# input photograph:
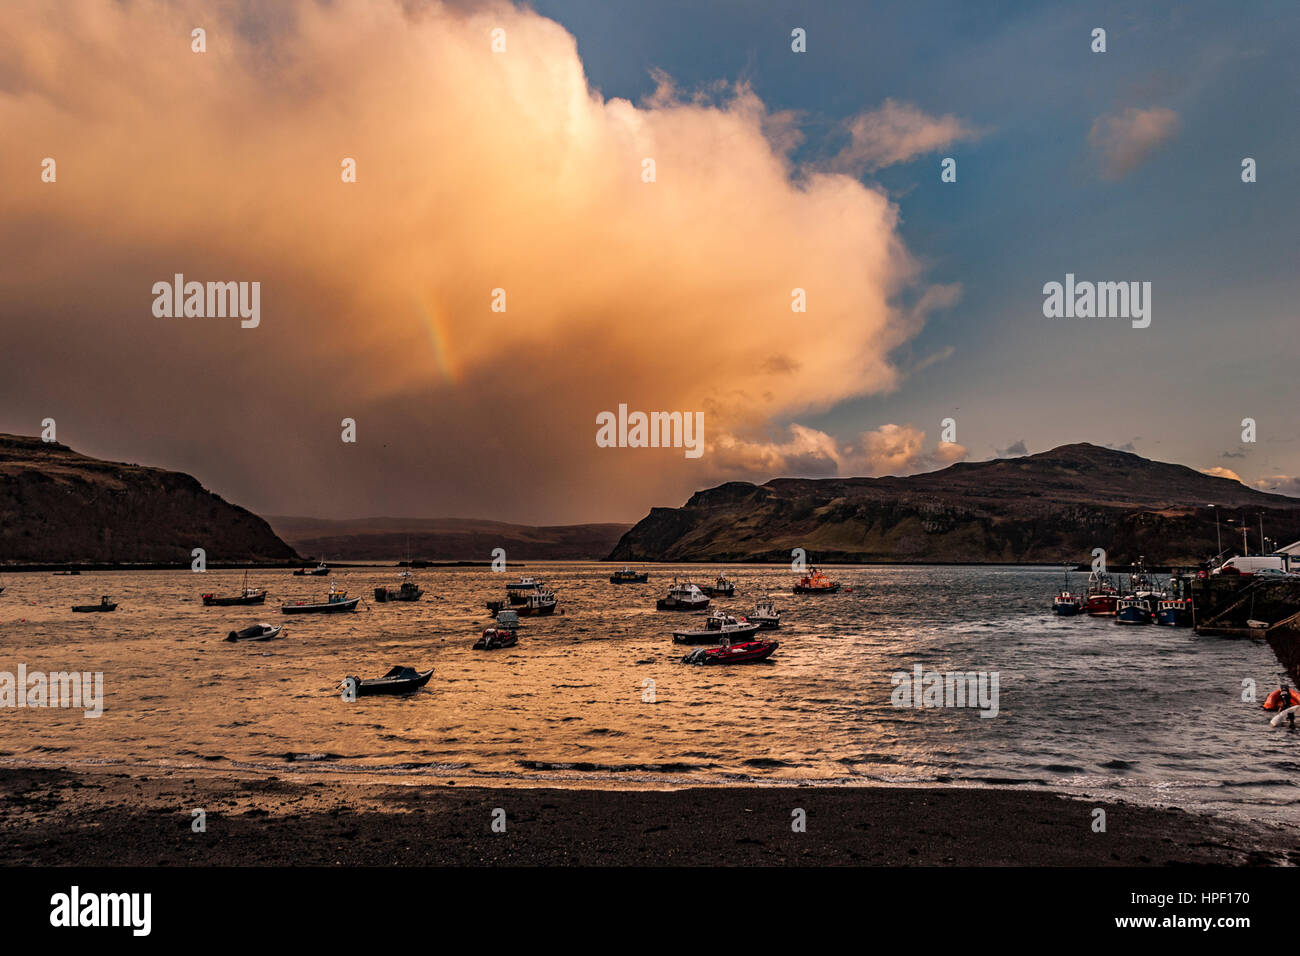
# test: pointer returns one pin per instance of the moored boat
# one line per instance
(337, 602)
(1102, 595)
(537, 605)
(719, 628)
(246, 596)
(104, 605)
(399, 680)
(766, 615)
(407, 591)
(816, 582)
(319, 571)
(508, 619)
(748, 652)
(683, 596)
(721, 587)
(1067, 604)
(256, 632)
(628, 576)
(494, 638)
(1131, 609)
(1174, 612)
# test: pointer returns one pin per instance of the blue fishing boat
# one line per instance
(1132, 610)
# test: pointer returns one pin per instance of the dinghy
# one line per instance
(256, 632)
(749, 652)
(494, 638)
(400, 680)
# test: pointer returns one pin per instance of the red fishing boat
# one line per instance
(747, 652)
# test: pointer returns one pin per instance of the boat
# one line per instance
(338, 601)
(537, 605)
(104, 605)
(1131, 609)
(1174, 612)
(816, 582)
(400, 680)
(766, 615)
(64, 574)
(319, 571)
(719, 628)
(628, 576)
(1067, 604)
(721, 587)
(408, 591)
(1102, 595)
(494, 638)
(683, 596)
(517, 592)
(245, 596)
(256, 632)
(507, 619)
(749, 652)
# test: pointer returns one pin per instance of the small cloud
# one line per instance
(1280, 485)
(895, 133)
(1127, 446)
(1123, 141)
(808, 452)
(1015, 450)
(942, 355)
(1222, 473)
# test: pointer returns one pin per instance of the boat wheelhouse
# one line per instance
(766, 615)
(518, 592)
(683, 596)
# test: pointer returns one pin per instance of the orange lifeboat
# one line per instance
(1276, 701)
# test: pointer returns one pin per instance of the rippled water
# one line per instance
(1151, 714)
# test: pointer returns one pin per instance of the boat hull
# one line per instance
(766, 623)
(1133, 615)
(1101, 605)
(671, 604)
(1068, 609)
(633, 579)
(255, 634)
(94, 608)
(736, 635)
(383, 685)
(333, 607)
(211, 600)
(750, 652)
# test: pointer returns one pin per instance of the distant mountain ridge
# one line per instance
(1052, 507)
(445, 539)
(58, 506)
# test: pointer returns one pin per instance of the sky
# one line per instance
(507, 265)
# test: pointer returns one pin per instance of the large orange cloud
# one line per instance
(476, 170)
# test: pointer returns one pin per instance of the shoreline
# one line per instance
(135, 817)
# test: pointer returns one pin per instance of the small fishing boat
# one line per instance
(246, 596)
(537, 605)
(749, 652)
(1174, 612)
(816, 582)
(628, 576)
(319, 571)
(1067, 604)
(408, 591)
(337, 602)
(1102, 595)
(721, 587)
(256, 632)
(719, 627)
(1132, 610)
(517, 592)
(400, 680)
(104, 605)
(766, 615)
(508, 619)
(683, 596)
(494, 638)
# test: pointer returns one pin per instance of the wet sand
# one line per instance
(107, 818)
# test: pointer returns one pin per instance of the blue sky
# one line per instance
(1030, 203)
